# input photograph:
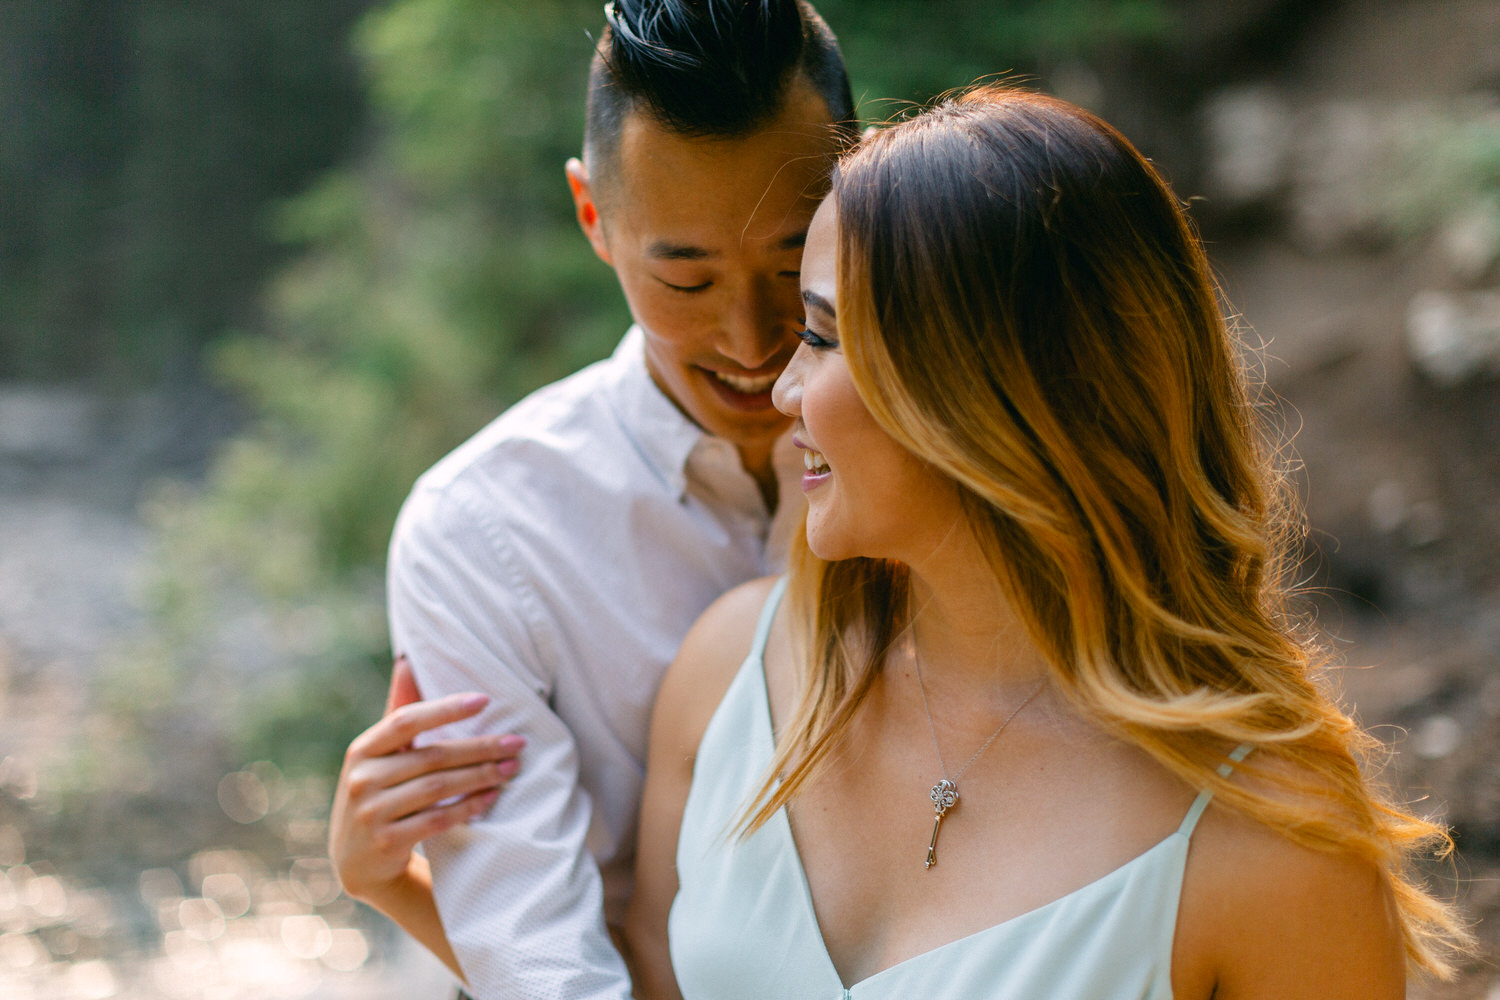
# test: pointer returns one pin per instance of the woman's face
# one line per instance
(866, 494)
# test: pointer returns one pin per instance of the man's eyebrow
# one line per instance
(664, 250)
(816, 301)
(667, 250)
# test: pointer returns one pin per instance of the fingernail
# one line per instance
(481, 804)
(508, 768)
(510, 743)
(474, 702)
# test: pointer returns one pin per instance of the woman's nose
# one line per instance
(786, 395)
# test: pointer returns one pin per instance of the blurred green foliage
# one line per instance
(139, 144)
(902, 51)
(1446, 166)
(444, 278)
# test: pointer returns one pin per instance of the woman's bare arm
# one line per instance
(692, 689)
(1264, 918)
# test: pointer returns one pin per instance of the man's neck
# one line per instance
(757, 462)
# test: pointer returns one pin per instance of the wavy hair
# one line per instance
(1023, 302)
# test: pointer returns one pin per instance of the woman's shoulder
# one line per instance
(710, 656)
(721, 638)
(1263, 915)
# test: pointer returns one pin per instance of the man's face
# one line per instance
(706, 235)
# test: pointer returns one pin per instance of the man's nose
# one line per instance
(759, 326)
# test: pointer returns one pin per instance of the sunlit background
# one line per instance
(260, 264)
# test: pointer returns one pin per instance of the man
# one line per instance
(555, 560)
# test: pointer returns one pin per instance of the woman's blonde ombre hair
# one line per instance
(1023, 303)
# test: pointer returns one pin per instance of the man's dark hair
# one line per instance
(710, 68)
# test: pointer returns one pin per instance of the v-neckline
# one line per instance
(1005, 926)
(782, 822)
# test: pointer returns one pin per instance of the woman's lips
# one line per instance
(816, 470)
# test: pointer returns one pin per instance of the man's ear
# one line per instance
(585, 209)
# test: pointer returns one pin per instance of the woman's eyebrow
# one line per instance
(815, 301)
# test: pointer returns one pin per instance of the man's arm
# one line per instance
(391, 796)
(520, 895)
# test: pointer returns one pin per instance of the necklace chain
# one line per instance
(927, 709)
(944, 794)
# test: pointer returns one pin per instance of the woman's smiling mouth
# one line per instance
(815, 464)
(814, 461)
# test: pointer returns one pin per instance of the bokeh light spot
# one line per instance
(201, 918)
(157, 884)
(47, 898)
(229, 891)
(93, 980)
(243, 797)
(314, 881)
(347, 951)
(306, 936)
(12, 847)
(21, 951)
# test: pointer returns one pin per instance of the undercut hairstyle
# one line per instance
(708, 68)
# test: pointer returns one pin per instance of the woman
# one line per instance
(1042, 724)
(1032, 719)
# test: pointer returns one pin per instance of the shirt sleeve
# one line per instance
(520, 895)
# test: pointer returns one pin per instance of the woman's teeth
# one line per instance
(749, 386)
(814, 461)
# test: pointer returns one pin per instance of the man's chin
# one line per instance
(753, 433)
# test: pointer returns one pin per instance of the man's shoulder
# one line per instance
(559, 445)
(564, 427)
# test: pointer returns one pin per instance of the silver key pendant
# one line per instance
(944, 797)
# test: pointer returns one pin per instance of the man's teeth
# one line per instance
(814, 461)
(741, 383)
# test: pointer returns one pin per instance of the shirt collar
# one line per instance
(662, 432)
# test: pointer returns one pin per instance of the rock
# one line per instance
(1338, 154)
(43, 423)
(1076, 81)
(1387, 506)
(1470, 240)
(1452, 336)
(1248, 132)
(1437, 737)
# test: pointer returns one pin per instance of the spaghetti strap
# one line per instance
(767, 615)
(1195, 811)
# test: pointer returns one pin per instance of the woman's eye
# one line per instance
(812, 339)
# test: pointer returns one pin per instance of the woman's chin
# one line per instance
(832, 546)
(822, 546)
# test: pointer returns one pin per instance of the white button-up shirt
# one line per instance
(555, 561)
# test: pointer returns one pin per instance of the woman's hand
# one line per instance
(391, 796)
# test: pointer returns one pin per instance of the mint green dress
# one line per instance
(743, 928)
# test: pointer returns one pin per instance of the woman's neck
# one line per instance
(964, 627)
